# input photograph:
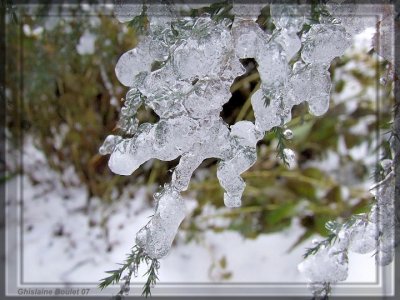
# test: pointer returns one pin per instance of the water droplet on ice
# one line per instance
(288, 134)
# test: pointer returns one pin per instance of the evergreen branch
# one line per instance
(267, 100)
(116, 274)
(324, 243)
(151, 278)
(278, 132)
(334, 227)
(132, 263)
(217, 11)
(317, 10)
(140, 23)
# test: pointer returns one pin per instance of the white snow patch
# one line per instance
(86, 43)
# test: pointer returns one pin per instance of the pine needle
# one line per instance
(131, 265)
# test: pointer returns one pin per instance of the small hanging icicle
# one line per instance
(290, 158)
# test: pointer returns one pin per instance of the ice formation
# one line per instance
(290, 157)
(183, 70)
(372, 232)
(363, 237)
(329, 264)
(383, 217)
(157, 236)
(288, 134)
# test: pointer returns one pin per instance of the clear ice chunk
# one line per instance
(232, 183)
(246, 133)
(249, 38)
(311, 83)
(385, 195)
(109, 144)
(290, 157)
(290, 17)
(206, 98)
(272, 65)
(183, 172)
(244, 137)
(289, 41)
(363, 237)
(139, 60)
(157, 236)
(327, 265)
(323, 42)
(268, 116)
(205, 57)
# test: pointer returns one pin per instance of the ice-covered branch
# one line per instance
(183, 70)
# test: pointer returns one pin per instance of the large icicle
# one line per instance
(157, 236)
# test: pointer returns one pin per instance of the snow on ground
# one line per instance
(60, 246)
